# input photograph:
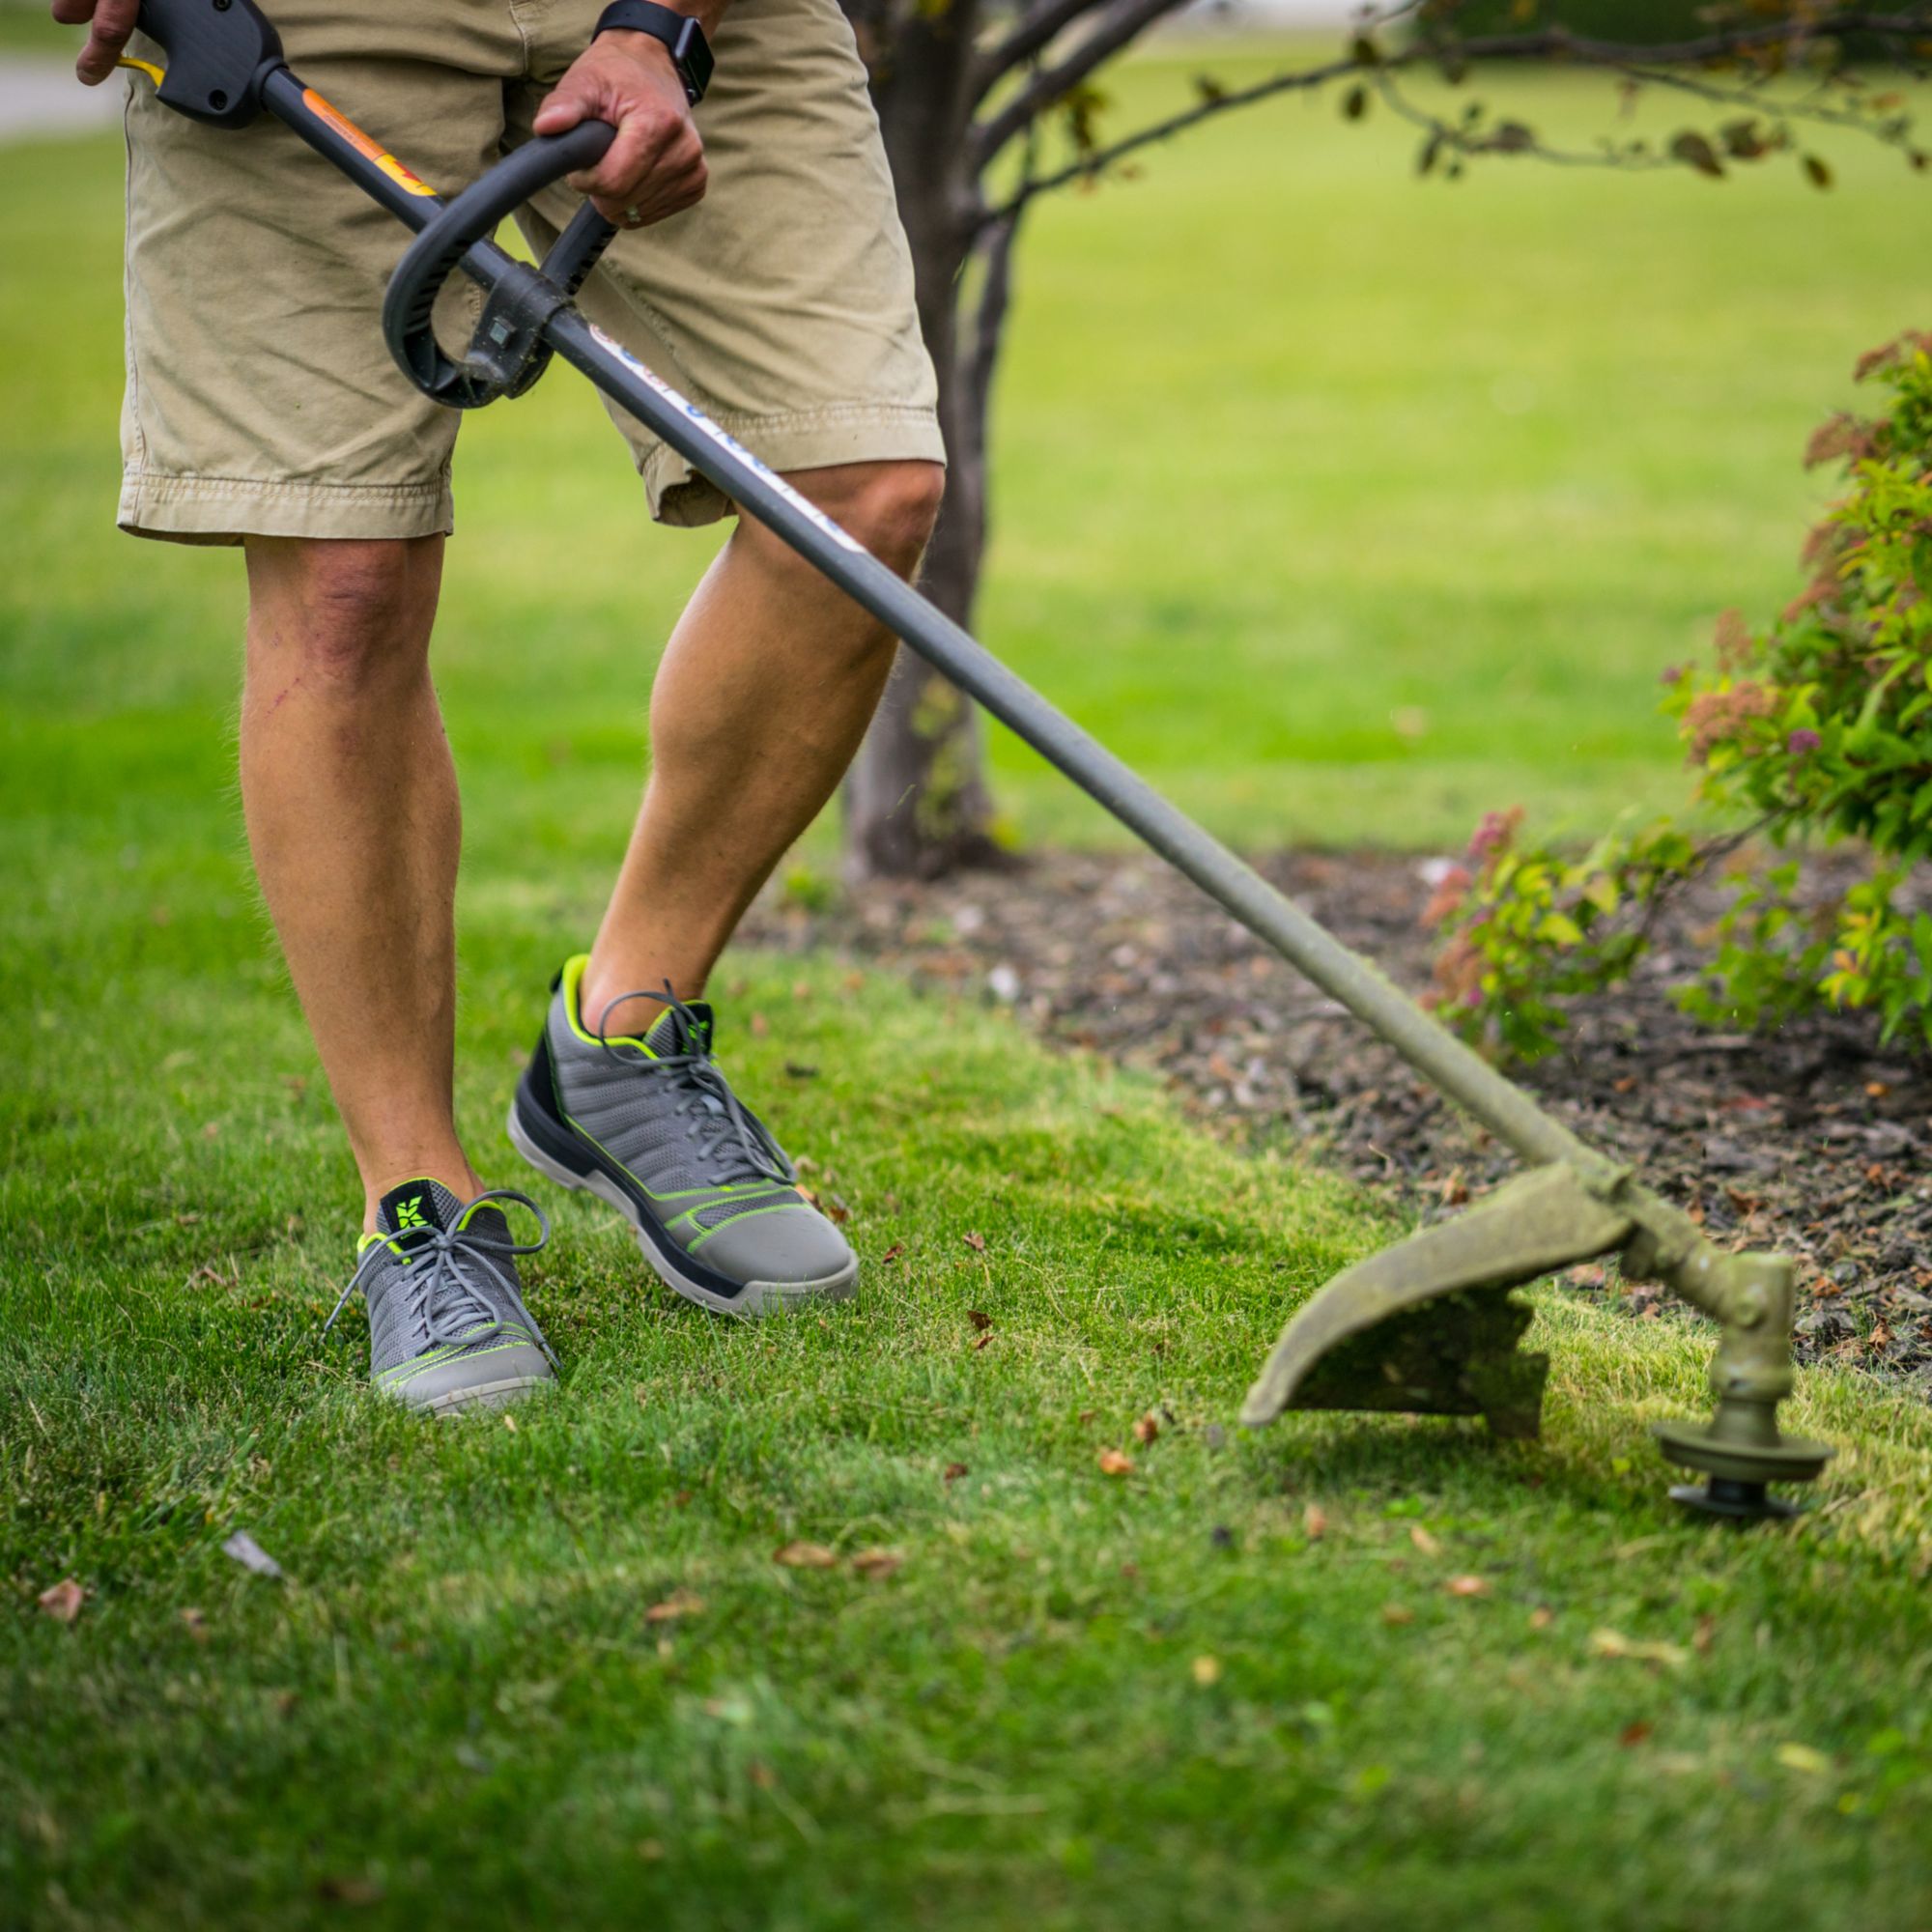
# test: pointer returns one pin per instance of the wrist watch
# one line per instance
(690, 51)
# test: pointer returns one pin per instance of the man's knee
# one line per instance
(352, 612)
(890, 507)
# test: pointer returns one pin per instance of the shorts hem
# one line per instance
(227, 509)
(806, 439)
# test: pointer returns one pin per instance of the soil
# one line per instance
(1813, 1139)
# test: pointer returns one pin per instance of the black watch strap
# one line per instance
(690, 51)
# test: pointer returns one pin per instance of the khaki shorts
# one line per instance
(260, 397)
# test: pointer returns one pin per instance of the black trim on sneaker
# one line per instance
(538, 1113)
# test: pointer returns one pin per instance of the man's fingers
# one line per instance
(72, 13)
(561, 113)
(664, 192)
(112, 21)
(643, 143)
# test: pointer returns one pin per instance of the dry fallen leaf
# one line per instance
(1314, 1522)
(1423, 1541)
(679, 1604)
(982, 1342)
(1114, 1463)
(510, 1423)
(1542, 1617)
(1707, 1633)
(62, 1601)
(1395, 1615)
(1634, 1733)
(952, 1472)
(1206, 1671)
(877, 1562)
(197, 1624)
(348, 1890)
(977, 1241)
(1146, 1428)
(1613, 1643)
(806, 1556)
(1087, 1415)
(1466, 1586)
(893, 1253)
(979, 1318)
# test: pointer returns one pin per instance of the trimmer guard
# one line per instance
(1430, 1325)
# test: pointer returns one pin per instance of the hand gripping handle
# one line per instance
(507, 352)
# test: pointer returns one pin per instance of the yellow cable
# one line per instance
(154, 74)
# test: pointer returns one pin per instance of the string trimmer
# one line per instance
(1429, 1325)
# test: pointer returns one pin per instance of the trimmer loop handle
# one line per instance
(224, 65)
(507, 351)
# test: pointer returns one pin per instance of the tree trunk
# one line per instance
(916, 801)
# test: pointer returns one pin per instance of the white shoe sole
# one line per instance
(756, 1297)
(483, 1395)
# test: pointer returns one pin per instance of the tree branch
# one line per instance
(1038, 27)
(1545, 43)
(1125, 21)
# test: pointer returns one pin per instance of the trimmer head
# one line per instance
(1430, 1326)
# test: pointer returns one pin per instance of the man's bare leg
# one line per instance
(353, 818)
(763, 695)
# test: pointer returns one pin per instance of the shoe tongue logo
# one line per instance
(411, 1207)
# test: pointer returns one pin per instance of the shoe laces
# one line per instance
(444, 1301)
(728, 1134)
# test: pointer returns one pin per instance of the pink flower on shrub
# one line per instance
(1803, 742)
(1495, 832)
(1720, 717)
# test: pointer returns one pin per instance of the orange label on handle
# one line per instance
(363, 145)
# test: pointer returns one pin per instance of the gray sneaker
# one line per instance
(648, 1124)
(448, 1326)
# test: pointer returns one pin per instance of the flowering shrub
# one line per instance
(1814, 728)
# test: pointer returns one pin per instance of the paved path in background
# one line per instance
(41, 96)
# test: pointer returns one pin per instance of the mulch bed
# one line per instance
(1813, 1139)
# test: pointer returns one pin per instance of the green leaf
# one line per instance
(1696, 152)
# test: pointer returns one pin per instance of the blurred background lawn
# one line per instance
(1345, 505)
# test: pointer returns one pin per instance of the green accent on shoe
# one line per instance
(440, 1277)
(570, 991)
(652, 1126)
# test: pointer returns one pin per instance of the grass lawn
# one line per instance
(1232, 1687)
(1083, 1700)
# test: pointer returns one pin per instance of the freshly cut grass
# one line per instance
(553, 1670)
